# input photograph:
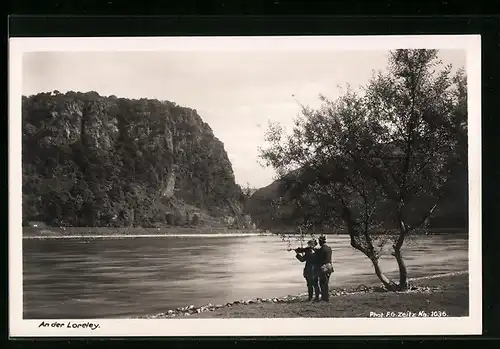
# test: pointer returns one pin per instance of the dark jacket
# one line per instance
(323, 255)
(309, 257)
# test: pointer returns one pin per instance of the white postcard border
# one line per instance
(248, 327)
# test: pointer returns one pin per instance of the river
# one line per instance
(128, 277)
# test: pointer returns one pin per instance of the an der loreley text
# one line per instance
(70, 324)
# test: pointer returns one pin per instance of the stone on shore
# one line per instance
(191, 309)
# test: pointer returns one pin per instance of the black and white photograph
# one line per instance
(206, 186)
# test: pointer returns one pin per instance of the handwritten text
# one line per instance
(70, 324)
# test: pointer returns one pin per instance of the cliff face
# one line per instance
(90, 160)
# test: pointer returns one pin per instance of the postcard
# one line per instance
(245, 186)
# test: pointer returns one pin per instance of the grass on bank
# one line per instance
(448, 294)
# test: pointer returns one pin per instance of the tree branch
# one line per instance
(426, 217)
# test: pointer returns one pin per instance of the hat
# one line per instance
(312, 242)
(322, 238)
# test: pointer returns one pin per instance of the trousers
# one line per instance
(312, 285)
(324, 279)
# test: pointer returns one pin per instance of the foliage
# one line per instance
(377, 162)
(90, 160)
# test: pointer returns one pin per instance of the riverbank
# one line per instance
(440, 295)
(84, 232)
(89, 232)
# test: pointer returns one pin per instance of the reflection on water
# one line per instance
(71, 278)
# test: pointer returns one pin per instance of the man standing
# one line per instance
(324, 266)
(310, 274)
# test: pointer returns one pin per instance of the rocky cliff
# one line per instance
(90, 160)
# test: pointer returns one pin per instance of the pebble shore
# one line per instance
(191, 309)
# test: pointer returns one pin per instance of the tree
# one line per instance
(247, 190)
(377, 162)
(196, 220)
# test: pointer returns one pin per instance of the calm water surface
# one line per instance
(119, 278)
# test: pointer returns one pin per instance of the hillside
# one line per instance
(90, 160)
(269, 208)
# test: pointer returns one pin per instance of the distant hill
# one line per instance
(90, 160)
(262, 206)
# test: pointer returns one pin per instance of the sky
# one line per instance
(236, 92)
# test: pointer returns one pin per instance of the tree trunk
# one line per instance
(369, 252)
(403, 231)
(403, 273)
(388, 283)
